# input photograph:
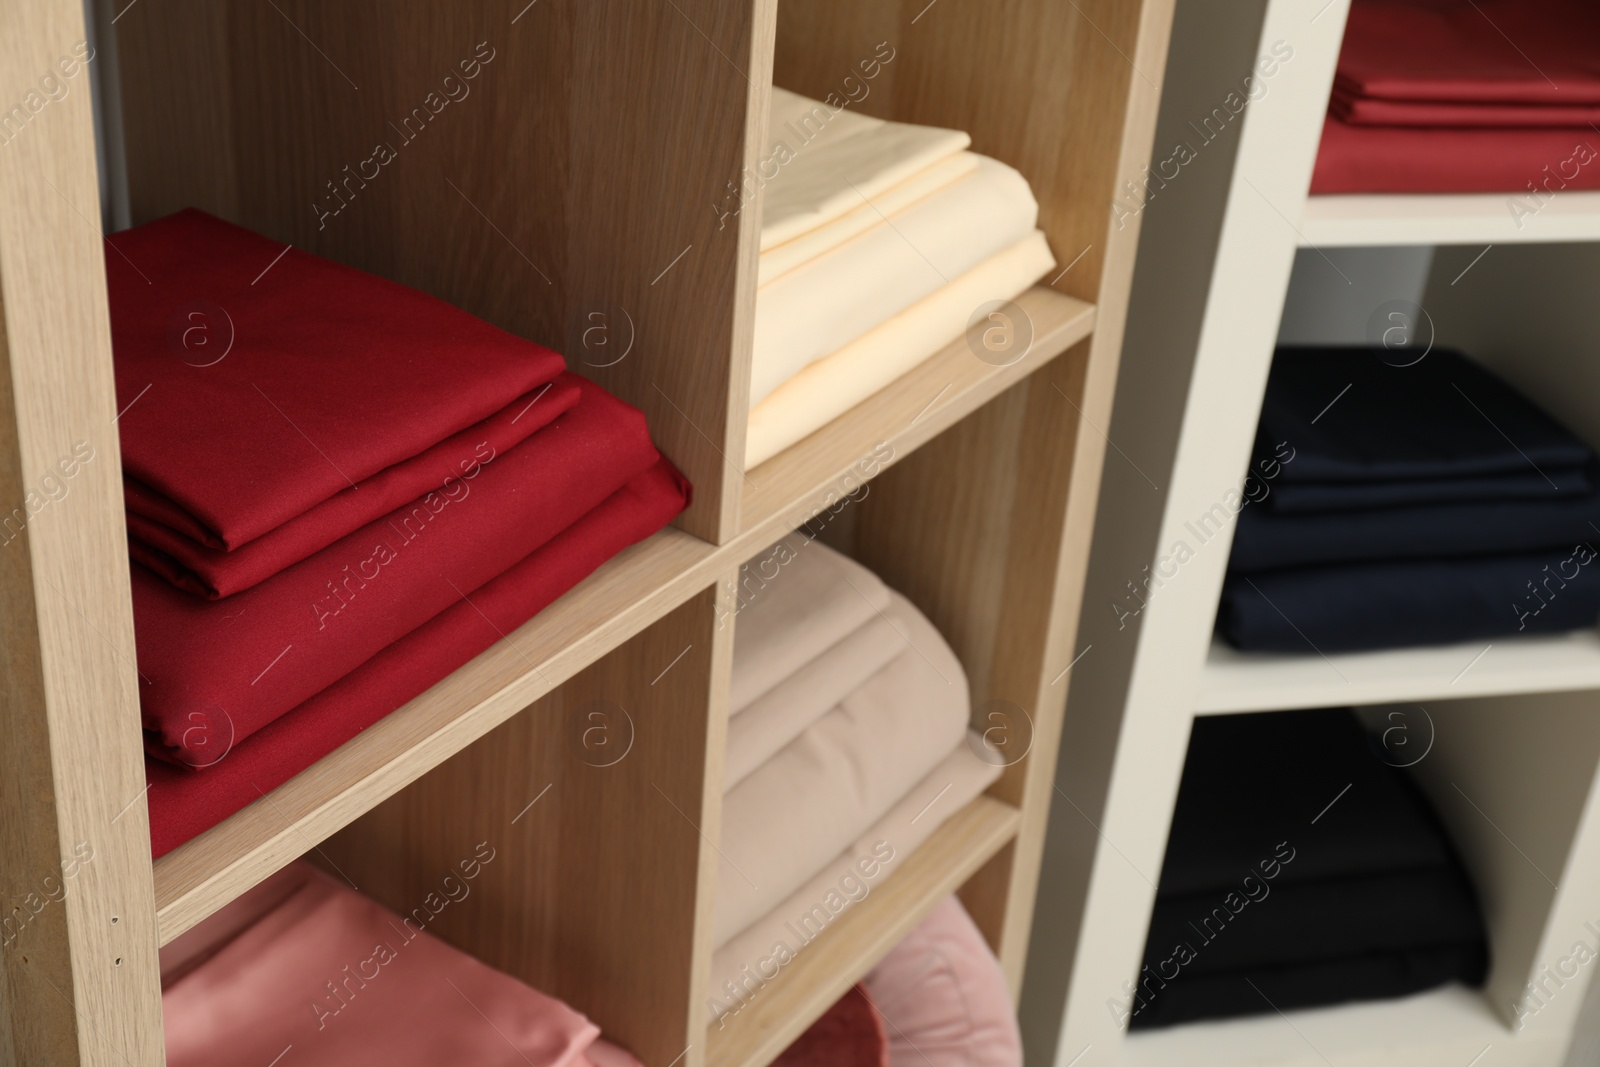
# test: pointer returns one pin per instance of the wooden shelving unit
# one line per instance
(586, 173)
(1509, 748)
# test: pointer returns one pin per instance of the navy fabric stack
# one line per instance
(1421, 504)
(1302, 870)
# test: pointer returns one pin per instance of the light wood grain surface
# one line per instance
(78, 981)
(534, 194)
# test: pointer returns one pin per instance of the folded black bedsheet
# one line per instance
(1363, 606)
(1303, 868)
(1268, 538)
(1441, 418)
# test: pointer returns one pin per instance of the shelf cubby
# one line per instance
(575, 187)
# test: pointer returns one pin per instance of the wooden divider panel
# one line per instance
(78, 981)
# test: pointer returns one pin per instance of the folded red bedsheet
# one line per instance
(218, 330)
(244, 661)
(1407, 159)
(1478, 52)
(184, 802)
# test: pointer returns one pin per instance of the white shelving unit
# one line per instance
(1483, 218)
(1512, 761)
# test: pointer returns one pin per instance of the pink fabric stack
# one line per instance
(304, 972)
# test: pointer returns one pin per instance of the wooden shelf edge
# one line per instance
(1442, 219)
(854, 943)
(1233, 681)
(923, 402)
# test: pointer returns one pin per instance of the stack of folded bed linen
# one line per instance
(878, 242)
(338, 490)
(1302, 870)
(1414, 505)
(304, 970)
(938, 999)
(1441, 96)
(847, 748)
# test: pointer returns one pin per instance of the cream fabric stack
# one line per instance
(847, 749)
(878, 242)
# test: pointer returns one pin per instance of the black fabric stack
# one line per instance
(1302, 871)
(1424, 504)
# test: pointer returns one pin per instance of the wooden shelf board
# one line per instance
(1442, 1028)
(1447, 219)
(853, 945)
(620, 599)
(914, 408)
(1234, 681)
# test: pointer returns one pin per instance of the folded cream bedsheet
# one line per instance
(816, 795)
(758, 954)
(836, 297)
(868, 212)
(782, 714)
(833, 385)
(798, 599)
(828, 158)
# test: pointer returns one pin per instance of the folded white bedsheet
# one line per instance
(782, 714)
(797, 600)
(828, 159)
(833, 385)
(869, 212)
(757, 955)
(826, 303)
(831, 783)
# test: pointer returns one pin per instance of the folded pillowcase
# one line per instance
(849, 1034)
(1441, 50)
(445, 470)
(225, 438)
(1252, 783)
(945, 996)
(830, 157)
(744, 964)
(869, 212)
(796, 600)
(1357, 607)
(300, 976)
(1449, 159)
(783, 713)
(1374, 111)
(838, 382)
(184, 803)
(1322, 983)
(835, 298)
(202, 662)
(1544, 484)
(1440, 418)
(1266, 539)
(783, 822)
(1308, 922)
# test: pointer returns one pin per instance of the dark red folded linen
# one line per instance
(1399, 159)
(447, 468)
(248, 659)
(1485, 51)
(1375, 111)
(255, 381)
(185, 802)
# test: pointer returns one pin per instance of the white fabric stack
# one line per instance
(878, 241)
(847, 749)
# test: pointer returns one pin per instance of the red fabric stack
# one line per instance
(1452, 96)
(339, 490)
